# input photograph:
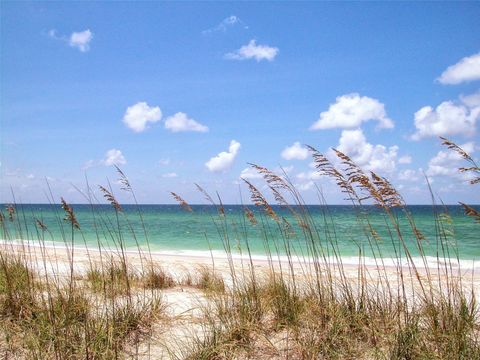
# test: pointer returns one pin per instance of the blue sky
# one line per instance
(179, 92)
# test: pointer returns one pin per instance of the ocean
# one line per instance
(171, 229)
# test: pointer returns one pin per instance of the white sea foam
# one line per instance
(429, 261)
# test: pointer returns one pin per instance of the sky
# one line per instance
(177, 93)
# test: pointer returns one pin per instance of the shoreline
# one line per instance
(433, 263)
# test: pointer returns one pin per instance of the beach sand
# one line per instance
(183, 316)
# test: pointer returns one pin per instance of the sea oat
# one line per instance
(325, 167)
(270, 177)
(474, 169)
(123, 180)
(250, 216)
(110, 198)
(469, 211)
(357, 177)
(259, 200)
(70, 215)
(275, 183)
(418, 233)
(452, 146)
(204, 192)
(182, 202)
(389, 196)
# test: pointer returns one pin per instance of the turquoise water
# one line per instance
(170, 228)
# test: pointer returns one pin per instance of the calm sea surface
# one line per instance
(170, 228)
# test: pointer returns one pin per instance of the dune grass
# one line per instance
(41, 320)
(304, 304)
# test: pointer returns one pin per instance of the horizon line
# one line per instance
(224, 204)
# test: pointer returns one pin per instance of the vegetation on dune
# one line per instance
(308, 305)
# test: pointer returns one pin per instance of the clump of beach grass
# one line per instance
(207, 280)
(63, 321)
(157, 278)
(17, 286)
(111, 278)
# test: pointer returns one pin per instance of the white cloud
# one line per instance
(250, 173)
(253, 51)
(224, 160)
(406, 159)
(164, 162)
(137, 116)
(181, 122)
(408, 175)
(449, 118)
(229, 21)
(376, 158)
(114, 157)
(449, 188)
(350, 111)
(81, 40)
(305, 186)
(471, 100)
(296, 151)
(170, 175)
(446, 163)
(310, 175)
(467, 69)
(53, 34)
(30, 176)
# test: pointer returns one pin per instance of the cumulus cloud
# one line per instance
(139, 115)
(164, 162)
(446, 163)
(250, 173)
(253, 51)
(309, 175)
(406, 159)
(448, 118)
(376, 158)
(296, 151)
(226, 23)
(79, 40)
(472, 100)
(408, 175)
(53, 34)
(350, 111)
(224, 160)
(170, 175)
(114, 157)
(181, 122)
(467, 69)
(305, 186)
